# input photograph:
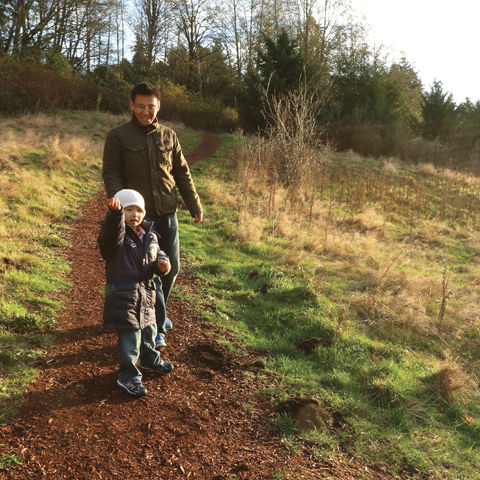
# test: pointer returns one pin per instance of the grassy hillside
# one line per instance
(374, 261)
(49, 165)
(380, 267)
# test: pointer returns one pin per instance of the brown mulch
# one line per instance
(203, 421)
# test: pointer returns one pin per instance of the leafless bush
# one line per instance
(293, 133)
(281, 171)
(292, 118)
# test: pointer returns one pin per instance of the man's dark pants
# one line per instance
(167, 227)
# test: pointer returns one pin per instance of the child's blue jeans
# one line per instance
(133, 345)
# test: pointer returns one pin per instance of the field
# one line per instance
(364, 294)
(357, 279)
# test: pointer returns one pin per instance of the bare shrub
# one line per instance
(293, 134)
(280, 173)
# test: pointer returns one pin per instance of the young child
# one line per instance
(130, 248)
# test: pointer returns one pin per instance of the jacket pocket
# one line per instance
(133, 147)
(121, 305)
(164, 155)
(133, 154)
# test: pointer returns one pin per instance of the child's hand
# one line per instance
(114, 204)
(164, 266)
(163, 263)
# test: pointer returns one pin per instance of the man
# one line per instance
(146, 156)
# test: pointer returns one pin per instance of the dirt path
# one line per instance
(201, 422)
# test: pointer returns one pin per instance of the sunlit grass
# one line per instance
(370, 283)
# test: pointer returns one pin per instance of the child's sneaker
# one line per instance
(168, 323)
(160, 340)
(133, 388)
(162, 368)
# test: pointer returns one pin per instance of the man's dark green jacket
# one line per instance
(149, 159)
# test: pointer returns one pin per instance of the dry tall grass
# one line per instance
(37, 154)
(339, 216)
(451, 380)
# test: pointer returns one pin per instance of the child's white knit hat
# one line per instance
(130, 197)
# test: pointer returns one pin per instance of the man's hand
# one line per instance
(114, 204)
(198, 217)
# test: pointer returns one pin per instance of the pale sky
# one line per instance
(440, 38)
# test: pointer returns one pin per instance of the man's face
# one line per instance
(133, 216)
(145, 108)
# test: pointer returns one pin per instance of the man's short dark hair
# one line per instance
(145, 88)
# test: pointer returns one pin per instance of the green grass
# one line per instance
(376, 374)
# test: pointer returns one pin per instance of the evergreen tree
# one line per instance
(279, 70)
(439, 113)
(406, 94)
(280, 64)
(140, 61)
(467, 128)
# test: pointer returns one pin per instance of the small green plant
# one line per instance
(284, 424)
(280, 476)
(9, 461)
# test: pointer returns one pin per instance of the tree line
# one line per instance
(213, 59)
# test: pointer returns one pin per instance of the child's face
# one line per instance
(133, 216)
